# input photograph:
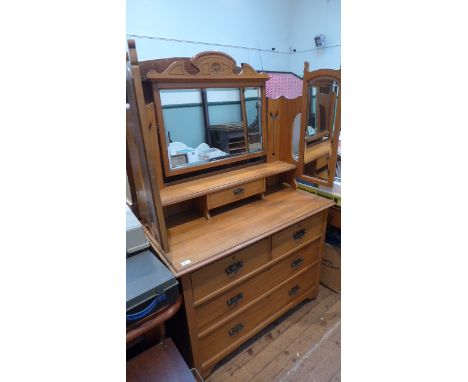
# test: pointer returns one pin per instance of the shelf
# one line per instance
(199, 241)
(318, 136)
(317, 151)
(204, 186)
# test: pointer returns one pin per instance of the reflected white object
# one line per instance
(201, 153)
(211, 153)
(176, 146)
(192, 156)
(310, 130)
(201, 147)
(296, 136)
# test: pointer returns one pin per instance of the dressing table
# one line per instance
(244, 243)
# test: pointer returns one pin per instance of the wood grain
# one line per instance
(302, 347)
(235, 193)
(211, 312)
(200, 241)
(257, 359)
(146, 182)
(220, 342)
(287, 110)
(286, 240)
(213, 277)
(192, 189)
(319, 150)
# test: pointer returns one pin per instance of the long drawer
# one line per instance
(229, 269)
(240, 295)
(295, 235)
(235, 331)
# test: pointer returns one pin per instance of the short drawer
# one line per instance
(229, 269)
(294, 263)
(232, 300)
(234, 194)
(297, 234)
(240, 328)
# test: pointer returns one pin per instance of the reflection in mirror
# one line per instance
(184, 125)
(322, 103)
(225, 123)
(253, 111)
(202, 125)
(296, 136)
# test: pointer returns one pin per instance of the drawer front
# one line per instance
(296, 234)
(229, 269)
(231, 301)
(239, 329)
(233, 194)
(295, 263)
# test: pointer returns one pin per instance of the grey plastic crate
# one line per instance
(147, 279)
(136, 239)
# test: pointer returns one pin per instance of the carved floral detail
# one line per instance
(216, 67)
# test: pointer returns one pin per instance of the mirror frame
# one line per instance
(309, 77)
(207, 70)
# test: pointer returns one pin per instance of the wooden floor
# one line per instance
(303, 345)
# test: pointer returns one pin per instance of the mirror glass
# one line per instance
(253, 111)
(184, 125)
(225, 126)
(205, 125)
(296, 137)
(322, 104)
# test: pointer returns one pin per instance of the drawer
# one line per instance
(295, 263)
(232, 300)
(229, 269)
(297, 234)
(233, 194)
(240, 328)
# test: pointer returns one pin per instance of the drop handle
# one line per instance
(239, 191)
(235, 300)
(297, 263)
(294, 290)
(234, 268)
(236, 329)
(299, 234)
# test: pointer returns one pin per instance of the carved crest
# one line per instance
(207, 65)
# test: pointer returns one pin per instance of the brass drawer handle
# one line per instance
(239, 191)
(234, 300)
(234, 268)
(299, 234)
(236, 329)
(297, 263)
(294, 290)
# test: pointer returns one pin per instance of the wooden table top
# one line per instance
(201, 241)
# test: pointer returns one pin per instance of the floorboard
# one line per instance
(302, 345)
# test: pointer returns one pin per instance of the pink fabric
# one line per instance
(283, 84)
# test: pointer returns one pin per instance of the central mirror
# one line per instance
(225, 121)
(211, 124)
(321, 129)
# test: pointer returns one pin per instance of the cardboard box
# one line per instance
(330, 274)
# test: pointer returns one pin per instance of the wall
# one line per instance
(307, 19)
(254, 23)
